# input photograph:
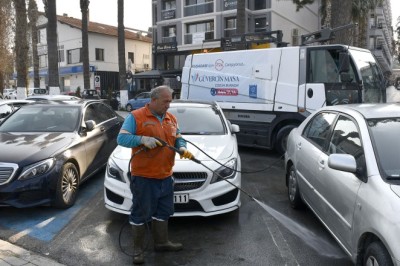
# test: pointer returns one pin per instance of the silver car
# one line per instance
(343, 162)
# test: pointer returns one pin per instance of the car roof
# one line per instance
(53, 97)
(370, 110)
(15, 101)
(192, 102)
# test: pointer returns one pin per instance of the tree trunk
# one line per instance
(241, 21)
(52, 46)
(33, 15)
(21, 47)
(6, 66)
(340, 16)
(121, 54)
(85, 43)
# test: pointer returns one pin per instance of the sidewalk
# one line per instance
(15, 256)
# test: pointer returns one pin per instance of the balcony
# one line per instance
(190, 40)
(168, 39)
(199, 9)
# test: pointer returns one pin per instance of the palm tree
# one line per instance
(6, 67)
(33, 15)
(121, 53)
(52, 46)
(85, 43)
(21, 47)
(241, 21)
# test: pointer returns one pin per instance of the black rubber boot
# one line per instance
(138, 241)
(160, 235)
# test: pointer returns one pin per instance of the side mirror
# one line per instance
(344, 62)
(346, 77)
(90, 124)
(235, 128)
(342, 162)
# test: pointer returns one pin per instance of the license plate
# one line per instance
(181, 198)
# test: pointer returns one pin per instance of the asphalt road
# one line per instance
(262, 232)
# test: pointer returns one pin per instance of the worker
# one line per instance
(151, 181)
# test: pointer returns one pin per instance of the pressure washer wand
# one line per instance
(165, 144)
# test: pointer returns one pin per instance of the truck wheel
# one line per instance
(281, 138)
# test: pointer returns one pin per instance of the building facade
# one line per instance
(183, 27)
(380, 35)
(103, 55)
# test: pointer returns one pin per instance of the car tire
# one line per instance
(67, 186)
(281, 138)
(293, 189)
(129, 107)
(377, 254)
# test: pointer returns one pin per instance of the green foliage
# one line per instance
(301, 3)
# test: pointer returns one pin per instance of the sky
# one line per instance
(395, 11)
(137, 13)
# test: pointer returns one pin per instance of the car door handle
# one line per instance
(102, 128)
(322, 163)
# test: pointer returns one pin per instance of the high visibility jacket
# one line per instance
(157, 162)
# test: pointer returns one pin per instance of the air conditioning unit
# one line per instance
(146, 66)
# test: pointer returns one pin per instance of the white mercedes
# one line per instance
(207, 188)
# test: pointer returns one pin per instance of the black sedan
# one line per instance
(47, 149)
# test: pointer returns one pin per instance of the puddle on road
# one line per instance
(314, 241)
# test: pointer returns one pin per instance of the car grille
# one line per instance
(189, 180)
(7, 171)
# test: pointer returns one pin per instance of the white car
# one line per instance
(9, 94)
(343, 162)
(198, 191)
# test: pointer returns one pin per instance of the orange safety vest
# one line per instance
(158, 162)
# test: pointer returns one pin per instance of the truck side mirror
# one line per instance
(344, 62)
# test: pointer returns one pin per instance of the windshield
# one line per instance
(370, 74)
(42, 119)
(386, 139)
(199, 120)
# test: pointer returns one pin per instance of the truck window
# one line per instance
(372, 78)
(323, 67)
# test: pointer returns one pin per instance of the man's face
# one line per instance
(161, 105)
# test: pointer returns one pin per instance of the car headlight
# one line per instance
(114, 171)
(37, 169)
(224, 172)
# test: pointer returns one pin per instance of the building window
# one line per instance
(74, 56)
(168, 9)
(61, 57)
(43, 61)
(197, 33)
(169, 34)
(260, 24)
(197, 7)
(230, 27)
(260, 4)
(131, 56)
(99, 54)
(42, 36)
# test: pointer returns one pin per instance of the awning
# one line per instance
(155, 73)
